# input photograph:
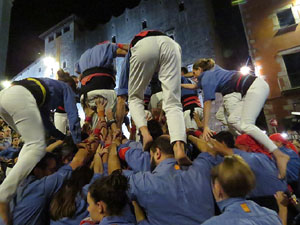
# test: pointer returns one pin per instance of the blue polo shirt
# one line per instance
(172, 196)
(242, 212)
(137, 159)
(293, 166)
(81, 206)
(61, 94)
(266, 173)
(9, 153)
(30, 205)
(101, 55)
(215, 80)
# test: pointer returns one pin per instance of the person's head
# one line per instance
(63, 203)
(107, 196)
(76, 79)
(7, 131)
(154, 128)
(46, 166)
(202, 65)
(15, 142)
(160, 150)
(65, 77)
(226, 138)
(232, 178)
(184, 71)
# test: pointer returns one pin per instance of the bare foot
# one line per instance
(281, 161)
(180, 155)
(4, 213)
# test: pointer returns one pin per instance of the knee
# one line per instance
(246, 127)
(233, 121)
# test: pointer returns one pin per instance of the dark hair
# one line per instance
(154, 128)
(205, 64)
(163, 143)
(65, 77)
(234, 175)
(43, 163)
(184, 70)
(226, 137)
(111, 190)
(63, 203)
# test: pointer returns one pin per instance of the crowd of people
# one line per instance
(170, 169)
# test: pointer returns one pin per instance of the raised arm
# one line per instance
(189, 86)
(207, 133)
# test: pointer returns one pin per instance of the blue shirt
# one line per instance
(136, 158)
(250, 214)
(115, 220)
(185, 91)
(293, 166)
(173, 196)
(124, 76)
(266, 173)
(101, 55)
(213, 81)
(61, 94)
(9, 153)
(81, 206)
(30, 205)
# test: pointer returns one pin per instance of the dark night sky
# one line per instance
(30, 18)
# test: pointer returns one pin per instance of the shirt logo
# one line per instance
(176, 167)
(245, 208)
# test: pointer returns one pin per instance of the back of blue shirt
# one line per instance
(238, 211)
(293, 166)
(173, 196)
(213, 81)
(266, 173)
(101, 55)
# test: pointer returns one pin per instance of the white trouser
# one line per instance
(19, 109)
(109, 95)
(61, 121)
(191, 123)
(244, 114)
(149, 55)
(225, 113)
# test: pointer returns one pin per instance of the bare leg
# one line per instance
(281, 161)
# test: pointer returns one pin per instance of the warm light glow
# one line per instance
(245, 70)
(6, 83)
(52, 66)
(296, 113)
(257, 70)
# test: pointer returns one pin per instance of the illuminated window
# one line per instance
(285, 18)
(293, 68)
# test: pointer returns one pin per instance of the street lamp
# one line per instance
(5, 84)
(51, 66)
(245, 70)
